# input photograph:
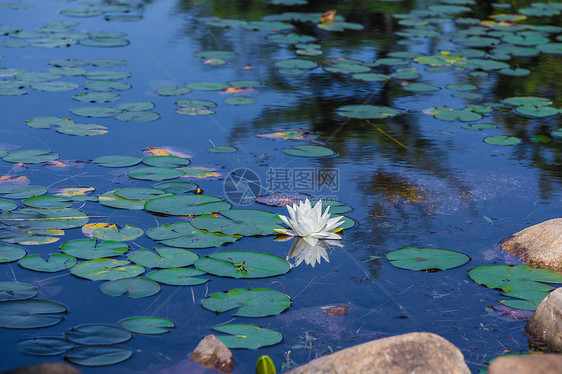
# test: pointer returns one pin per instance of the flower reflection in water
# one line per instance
(302, 250)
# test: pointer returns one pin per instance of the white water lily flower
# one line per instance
(310, 223)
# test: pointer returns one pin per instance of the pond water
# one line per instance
(413, 172)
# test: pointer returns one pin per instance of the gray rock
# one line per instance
(47, 368)
(545, 325)
(417, 352)
(549, 363)
(212, 353)
(539, 245)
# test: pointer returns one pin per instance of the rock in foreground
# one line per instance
(546, 324)
(539, 245)
(549, 363)
(47, 368)
(417, 352)
(212, 353)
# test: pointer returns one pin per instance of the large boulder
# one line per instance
(546, 324)
(539, 245)
(212, 353)
(417, 352)
(46, 368)
(549, 363)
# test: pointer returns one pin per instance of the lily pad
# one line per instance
(134, 287)
(139, 193)
(502, 140)
(56, 262)
(176, 187)
(184, 235)
(166, 257)
(106, 269)
(420, 87)
(244, 222)
(47, 122)
(10, 253)
(417, 259)
(97, 97)
(97, 355)
(44, 346)
(165, 161)
(172, 91)
(259, 302)
(247, 336)
(137, 116)
(243, 264)
(366, 111)
(44, 218)
(22, 192)
(112, 233)
(309, 151)
(464, 115)
(206, 86)
(239, 100)
(178, 276)
(48, 202)
(95, 111)
(57, 86)
(7, 205)
(222, 149)
(115, 201)
(296, 63)
(33, 156)
(147, 325)
(30, 314)
(16, 291)
(107, 75)
(536, 111)
(187, 205)
(154, 173)
(82, 130)
(87, 249)
(107, 86)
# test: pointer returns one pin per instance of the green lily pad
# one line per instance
(98, 334)
(47, 122)
(259, 302)
(82, 12)
(184, 235)
(293, 72)
(557, 133)
(540, 139)
(107, 75)
(56, 262)
(173, 91)
(296, 63)
(104, 42)
(206, 86)
(87, 249)
(97, 97)
(245, 222)
(165, 161)
(97, 355)
(518, 72)
(187, 205)
(464, 115)
(536, 111)
(247, 336)
(139, 193)
(166, 257)
(147, 325)
(48, 202)
(107, 86)
(44, 346)
(290, 38)
(134, 287)
(243, 264)
(239, 100)
(176, 187)
(154, 173)
(366, 111)
(502, 140)
(125, 234)
(54, 86)
(371, 77)
(550, 48)
(527, 100)
(82, 130)
(107, 62)
(117, 161)
(309, 151)
(16, 291)
(178, 276)
(461, 87)
(479, 126)
(420, 87)
(33, 156)
(44, 218)
(106, 269)
(223, 55)
(390, 61)
(95, 111)
(417, 259)
(22, 192)
(10, 253)
(112, 200)
(7, 205)
(30, 314)
(222, 149)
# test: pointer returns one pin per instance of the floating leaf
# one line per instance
(259, 302)
(106, 269)
(247, 336)
(147, 325)
(199, 172)
(244, 222)
(33, 156)
(16, 291)
(48, 202)
(420, 87)
(184, 235)
(195, 107)
(206, 86)
(107, 75)
(166, 258)
(107, 62)
(97, 97)
(30, 314)
(309, 151)
(82, 130)
(176, 187)
(7, 205)
(366, 111)
(178, 276)
(296, 63)
(47, 122)
(134, 287)
(107, 86)
(222, 149)
(112, 233)
(115, 201)
(95, 111)
(94, 355)
(240, 264)
(239, 100)
(54, 86)
(536, 111)
(165, 161)
(187, 205)
(502, 140)
(117, 161)
(56, 262)
(464, 115)
(45, 346)
(479, 126)
(173, 91)
(44, 219)
(550, 48)
(87, 249)
(155, 173)
(426, 258)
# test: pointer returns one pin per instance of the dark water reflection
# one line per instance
(412, 180)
